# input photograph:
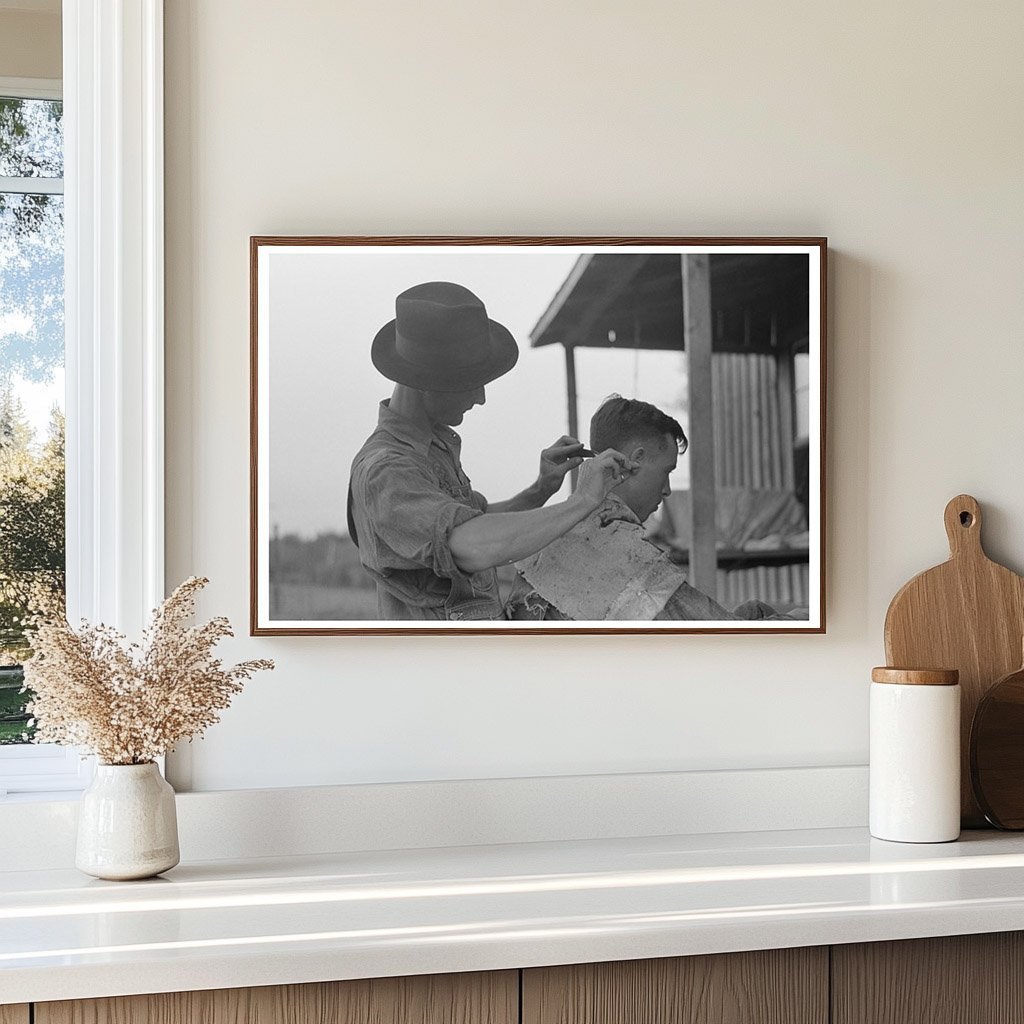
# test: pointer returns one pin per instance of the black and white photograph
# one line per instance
(537, 435)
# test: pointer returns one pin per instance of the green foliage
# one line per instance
(31, 498)
(14, 727)
(31, 138)
(31, 522)
(31, 539)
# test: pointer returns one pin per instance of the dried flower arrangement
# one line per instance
(130, 704)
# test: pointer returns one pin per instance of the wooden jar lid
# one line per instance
(918, 676)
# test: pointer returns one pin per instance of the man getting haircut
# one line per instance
(627, 424)
(605, 568)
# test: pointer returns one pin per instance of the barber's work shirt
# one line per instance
(604, 569)
(408, 493)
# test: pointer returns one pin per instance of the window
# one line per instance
(32, 534)
(31, 382)
(113, 336)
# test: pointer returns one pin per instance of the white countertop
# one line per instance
(225, 924)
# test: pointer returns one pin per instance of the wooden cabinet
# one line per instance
(962, 979)
(776, 986)
(967, 979)
(491, 998)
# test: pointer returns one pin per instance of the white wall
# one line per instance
(894, 129)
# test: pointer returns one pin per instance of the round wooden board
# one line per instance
(997, 752)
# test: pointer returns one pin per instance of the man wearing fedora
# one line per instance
(427, 538)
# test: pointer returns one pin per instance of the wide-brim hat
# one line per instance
(442, 340)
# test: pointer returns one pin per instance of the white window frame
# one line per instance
(32, 89)
(114, 337)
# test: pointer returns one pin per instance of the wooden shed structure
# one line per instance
(740, 319)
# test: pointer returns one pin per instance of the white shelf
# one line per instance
(228, 923)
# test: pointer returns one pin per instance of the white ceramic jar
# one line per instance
(127, 824)
(915, 755)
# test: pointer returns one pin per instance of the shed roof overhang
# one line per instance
(759, 303)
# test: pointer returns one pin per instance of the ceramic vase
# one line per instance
(127, 825)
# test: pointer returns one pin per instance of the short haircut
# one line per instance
(619, 420)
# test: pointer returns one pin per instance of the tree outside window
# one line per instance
(32, 573)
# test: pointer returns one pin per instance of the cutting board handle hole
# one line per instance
(966, 519)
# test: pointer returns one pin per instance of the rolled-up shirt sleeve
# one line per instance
(409, 517)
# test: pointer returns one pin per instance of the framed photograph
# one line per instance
(537, 435)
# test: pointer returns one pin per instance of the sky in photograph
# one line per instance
(326, 305)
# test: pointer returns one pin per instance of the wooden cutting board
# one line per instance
(967, 614)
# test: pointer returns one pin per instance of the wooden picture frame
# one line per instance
(725, 336)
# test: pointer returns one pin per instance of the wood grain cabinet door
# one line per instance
(14, 1014)
(962, 979)
(482, 998)
(777, 986)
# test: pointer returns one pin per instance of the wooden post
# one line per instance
(733, 410)
(787, 423)
(753, 398)
(570, 394)
(696, 273)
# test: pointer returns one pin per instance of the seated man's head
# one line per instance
(651, 438)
